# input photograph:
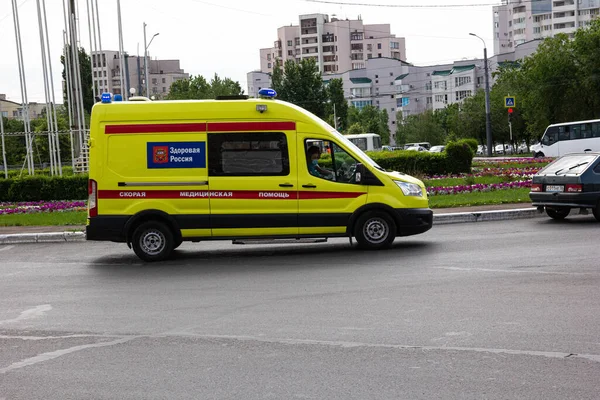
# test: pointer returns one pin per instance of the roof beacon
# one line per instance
(267, 93)
(106, 98)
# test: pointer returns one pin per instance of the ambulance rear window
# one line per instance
(248, 154)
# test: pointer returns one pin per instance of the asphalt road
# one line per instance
(495, 310)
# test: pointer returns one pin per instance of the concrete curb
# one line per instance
(50, 237)
(483, 216)
(438, 219)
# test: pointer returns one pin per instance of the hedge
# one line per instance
(457, 158)
(44, 188)
(16, 173)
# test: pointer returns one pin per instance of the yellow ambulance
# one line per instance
(164, 172)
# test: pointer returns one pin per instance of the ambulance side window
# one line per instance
(248, 154)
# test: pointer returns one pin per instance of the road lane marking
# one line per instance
(59, 353)
(514, 271)
(34, 312)
(343, 344)
(6, 248)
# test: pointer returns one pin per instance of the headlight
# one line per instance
(410, 189)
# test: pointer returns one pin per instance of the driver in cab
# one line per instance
(313, 154)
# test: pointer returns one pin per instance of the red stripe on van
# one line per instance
(225, 194)
(155, 128)
(198, 194)
(250, 126)
(329, 195)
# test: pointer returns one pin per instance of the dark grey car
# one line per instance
(571, 181)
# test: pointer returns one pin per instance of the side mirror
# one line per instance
(359, 173)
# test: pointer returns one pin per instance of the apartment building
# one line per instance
(336, 44)
(13, 110)
(106, 73)
(520, 21)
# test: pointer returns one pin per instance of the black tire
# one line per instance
(153, 241)
(558, 213)
(375, 230)
(539, 155)
(596, 211)
(177, 243)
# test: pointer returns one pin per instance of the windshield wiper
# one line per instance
(573, 167)
(578, 165)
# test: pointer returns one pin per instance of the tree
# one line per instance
(355, 129)
(197, 87)
(335, 95)
(85, 69)
(369, 119)
(424, 127)
(301, 84)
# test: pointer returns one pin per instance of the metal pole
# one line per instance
(146, 63)
(335, 118)
(56, 138)
(49, 121)
(24, 100)
(69, 108)
(103, 68)
(87, 6)
(98, 61)
(3, 145)
(488, 116)
(121, 52)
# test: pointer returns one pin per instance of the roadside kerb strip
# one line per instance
(483, 216)
(438, 219)
(49, 237)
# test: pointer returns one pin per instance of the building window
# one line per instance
(360, 104)
(164, 80)
(248, 154)
(154, 81)
(462, 94)
(356, 36)
(462, 80)
(269, 65)
(164, 89)
(290, 52)
(378, 46)
(379, 55)
(394, 45)
(440, 85)
(105, 73)
(441, 98)
(356, 56)
(269, 57)
(289, 42)
(429, 100)
(155, 90)
(369, 46)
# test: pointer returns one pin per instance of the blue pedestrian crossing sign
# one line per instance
(509, 102)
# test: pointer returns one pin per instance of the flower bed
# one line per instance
(479, 172)
(41, 206)
(478, 187)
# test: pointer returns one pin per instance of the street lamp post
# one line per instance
(146, 59)
(488, 118)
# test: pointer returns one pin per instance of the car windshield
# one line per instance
(569, 165)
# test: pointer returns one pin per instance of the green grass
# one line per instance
(44, 219)
(504, 196)
(469, 181)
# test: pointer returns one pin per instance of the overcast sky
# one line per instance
(224, 36)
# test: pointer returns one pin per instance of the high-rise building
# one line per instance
(337, 45)
(520, 21)
(106, 73)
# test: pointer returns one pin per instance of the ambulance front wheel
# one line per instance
(375, 230)
(153, 241)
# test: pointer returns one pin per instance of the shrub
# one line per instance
(460, 157)
(472, 143)
(44, 188)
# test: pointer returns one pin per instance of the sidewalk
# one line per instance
(449, 215)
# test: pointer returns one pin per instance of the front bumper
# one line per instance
(412, 221)
(574, 200)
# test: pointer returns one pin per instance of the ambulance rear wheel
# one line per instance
(153, 241)
(375, 230)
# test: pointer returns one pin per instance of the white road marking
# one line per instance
(548, 354)
(6, 248)
(518, 271)
(35, 312)
(59, 353)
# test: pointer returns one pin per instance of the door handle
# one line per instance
(311, 186)
(286, 185)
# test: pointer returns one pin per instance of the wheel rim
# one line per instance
(152, 242)
(376, 230)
